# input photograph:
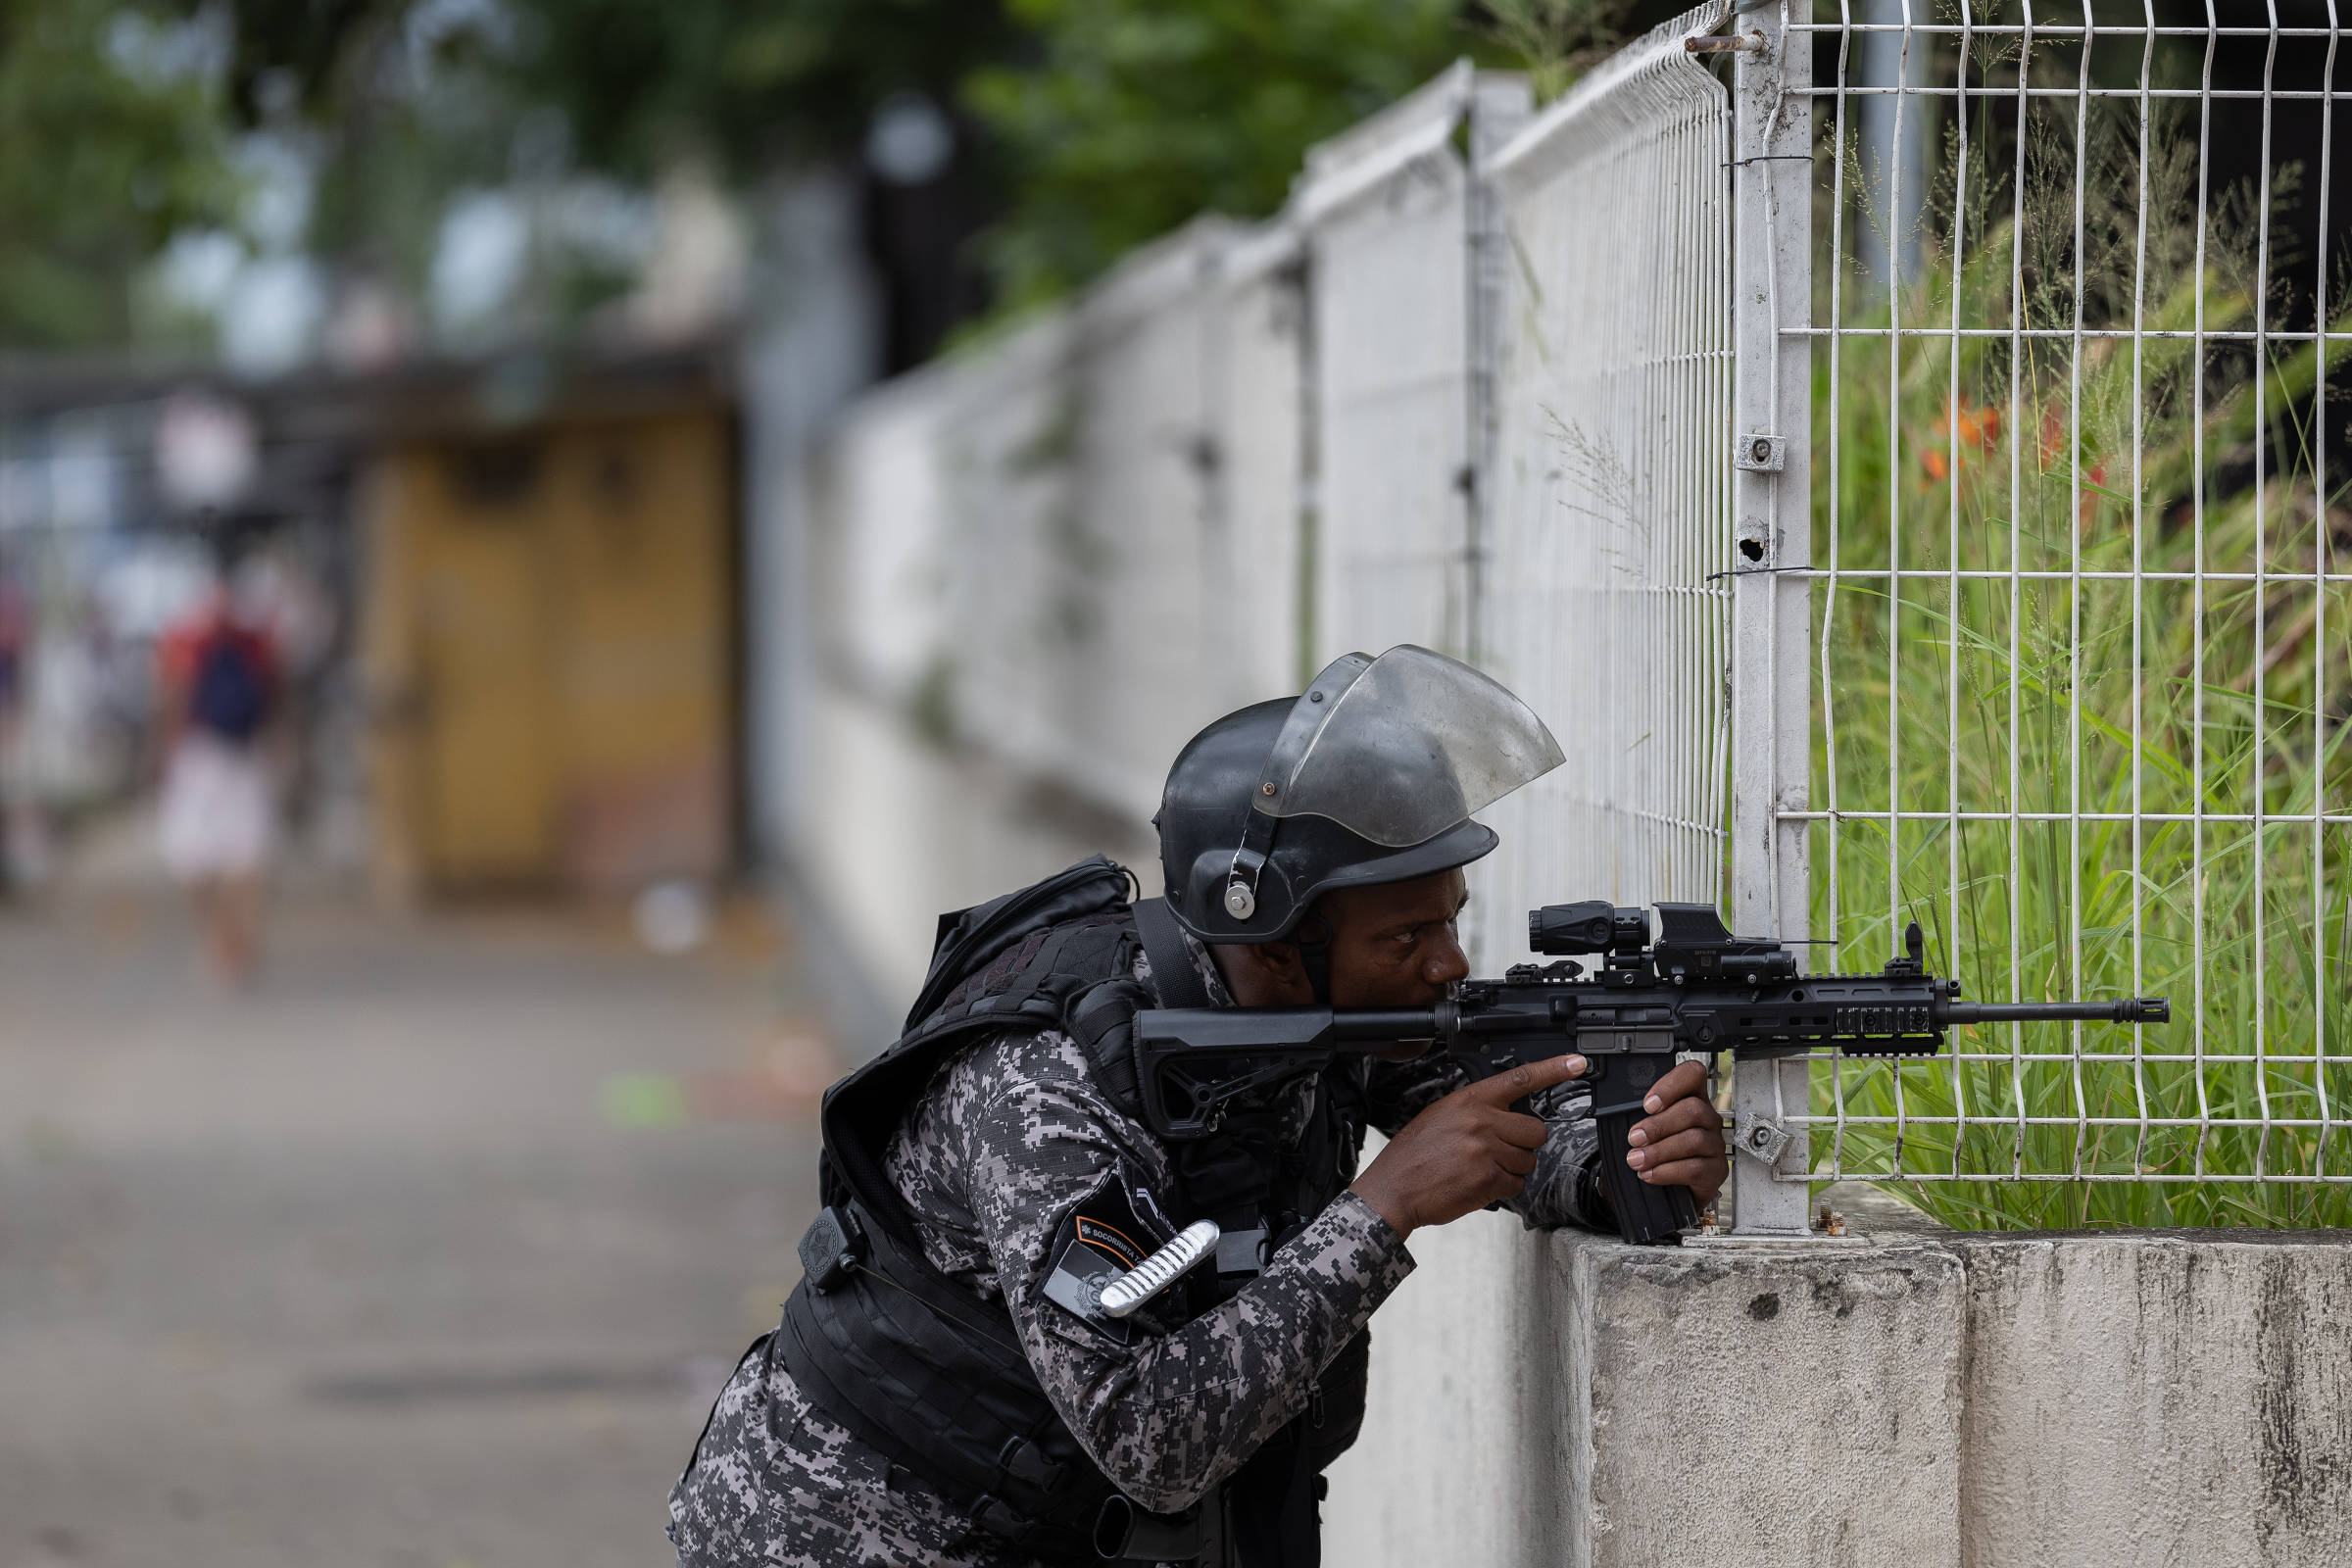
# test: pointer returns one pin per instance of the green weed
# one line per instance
(2144, 753)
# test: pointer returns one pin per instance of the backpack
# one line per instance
(230, 694)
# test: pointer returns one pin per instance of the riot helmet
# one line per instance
(1370, 775)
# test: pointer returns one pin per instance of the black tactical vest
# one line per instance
(931, 1375)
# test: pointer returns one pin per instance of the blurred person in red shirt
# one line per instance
(215, 819)
(16, 637)
(14, 632)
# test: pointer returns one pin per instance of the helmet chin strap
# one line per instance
(1314, 952)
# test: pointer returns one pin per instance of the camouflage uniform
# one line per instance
(1008, 1140)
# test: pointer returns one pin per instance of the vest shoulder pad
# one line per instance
(1078, 977)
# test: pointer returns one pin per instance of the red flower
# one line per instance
(1963, 423)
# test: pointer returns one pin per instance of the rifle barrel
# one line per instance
(2133, 1010)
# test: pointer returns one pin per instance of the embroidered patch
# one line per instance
(1109, 1239)
(1106, 1232)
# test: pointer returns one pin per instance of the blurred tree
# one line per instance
(1128, 116)
(1083, 128)
(1123, 118)
(410, 104)
(744, 83)
(1556, 41)
(112, 139)
(758, 86)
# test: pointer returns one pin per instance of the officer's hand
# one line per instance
(1679, 1143)
(1467, 1150)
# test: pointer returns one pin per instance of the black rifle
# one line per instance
(1697, 988)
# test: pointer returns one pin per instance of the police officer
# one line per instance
(945, 1386)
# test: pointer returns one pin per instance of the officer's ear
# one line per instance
(1265, 974)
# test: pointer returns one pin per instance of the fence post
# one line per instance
(1499, 103)
(1771, 171)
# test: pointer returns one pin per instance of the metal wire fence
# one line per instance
(2078, 591)
(1605, 606)
(1382, 208)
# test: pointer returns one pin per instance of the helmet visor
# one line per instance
(1415, 744)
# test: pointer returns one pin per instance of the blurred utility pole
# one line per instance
(1890, 137)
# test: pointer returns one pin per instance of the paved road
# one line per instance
(427, 1254)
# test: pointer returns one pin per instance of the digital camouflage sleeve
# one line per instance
(1559, 1192)
(1009, 1142)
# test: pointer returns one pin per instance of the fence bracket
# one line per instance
(1762, 1138)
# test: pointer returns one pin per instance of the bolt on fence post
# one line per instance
(1771, 172)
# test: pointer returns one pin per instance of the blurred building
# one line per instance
(506, 590)
(548, 624)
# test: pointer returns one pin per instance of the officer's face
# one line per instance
(1395, 946)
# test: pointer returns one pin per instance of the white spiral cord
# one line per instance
(1160, 1270)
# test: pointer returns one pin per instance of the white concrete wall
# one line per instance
(1384, 208)
(2158, 1398)
(1458, 1451)
(1035, 569)
(1255, 374)
(1913, 1398)
(1760, 1406)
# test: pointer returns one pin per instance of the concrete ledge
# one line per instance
(1926, 1400)
(1815, 1395)
(2157, 1397)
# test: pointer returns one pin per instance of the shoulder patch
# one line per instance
(1106, 1232)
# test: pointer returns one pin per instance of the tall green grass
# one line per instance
(2093, 696)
